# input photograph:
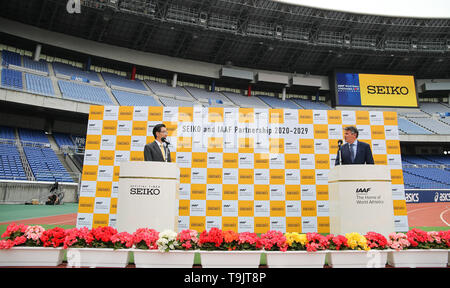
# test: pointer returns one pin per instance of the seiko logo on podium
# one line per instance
(145, 190)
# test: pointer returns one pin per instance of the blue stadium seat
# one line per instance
(84, 93)
(39, 85)
(113, 80)
(12, 79)
(41, 65)
(278, 103)
(45, 165)
(134, 99)
(63, 139)
(11, 58)
(33, 136)
(68, 70)
(10, 164)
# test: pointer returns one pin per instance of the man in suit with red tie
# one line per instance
(158, 149)
(354, 151)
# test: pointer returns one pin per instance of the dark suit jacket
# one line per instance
(363, 154)
(152, 152)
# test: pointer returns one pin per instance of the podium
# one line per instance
(148, 196)
(360, 199)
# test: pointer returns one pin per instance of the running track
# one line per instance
(420, 214)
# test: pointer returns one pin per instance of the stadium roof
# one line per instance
(257, 34)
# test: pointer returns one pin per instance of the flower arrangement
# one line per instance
(211, 240)
(145, 238)
(398, 241)
(77, 238)
(53, 238)
(216, 239)
(309, 241)
(338, 242)
(376, 241)
(187, 239)
(248, 241)
(356, 241)
(122, 240)
(274, 241)
(167, 241)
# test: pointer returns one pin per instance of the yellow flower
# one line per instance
(295, 237)
(356, 241)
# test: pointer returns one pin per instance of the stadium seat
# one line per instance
(84, 93)
(63, 139)
(432, 125)
(45, 165)
(278, 103)
(126, 98)
(312, 105)
(168, 102)
(410, 128)
(39, 85)
(116, 82)
(11, 58)
(12, 79)
(71, 71)
(33, 137)
(164, 90)
(40, 66)
(11, 167)
(245, 101)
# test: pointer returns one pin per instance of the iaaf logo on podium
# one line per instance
(145, 190)
(73, 6)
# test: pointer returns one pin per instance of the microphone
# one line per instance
(339, 151)
(165, 141)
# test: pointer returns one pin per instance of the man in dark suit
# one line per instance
(354, 151)
(158, 149)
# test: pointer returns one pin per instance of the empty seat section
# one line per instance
(12, 79)
(433, 125)
(113, 80)
(10, 164)
(126, 98)
(7, 133)
(176, 103)
(210, 97)
(63, 139)
(41, 65)
(278, 103)
(410, 128)
(84, 93)
(33, 137)
(45, 165)
(11, 58)
(39, 85)
(311, 105)
(71, 71)
(245, 101)
(164, 90)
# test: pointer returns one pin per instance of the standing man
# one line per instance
(354, 151)
(158, 149)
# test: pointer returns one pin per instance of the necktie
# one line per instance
(352, 151)
(163, 152)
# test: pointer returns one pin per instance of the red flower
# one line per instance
(211, 240)
(376, 240)
(54, 237)
(337, 242)
(273, 241)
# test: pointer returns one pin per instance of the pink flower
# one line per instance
(188, 239)
(123, 239)
(398, 241)
(145, 238)
(34, 232)
(274, 240)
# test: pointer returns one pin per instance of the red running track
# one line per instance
(419, 215)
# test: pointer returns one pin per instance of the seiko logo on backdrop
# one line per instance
(392, 90)
(145, 190)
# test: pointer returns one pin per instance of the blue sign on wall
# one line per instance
(418, 196)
